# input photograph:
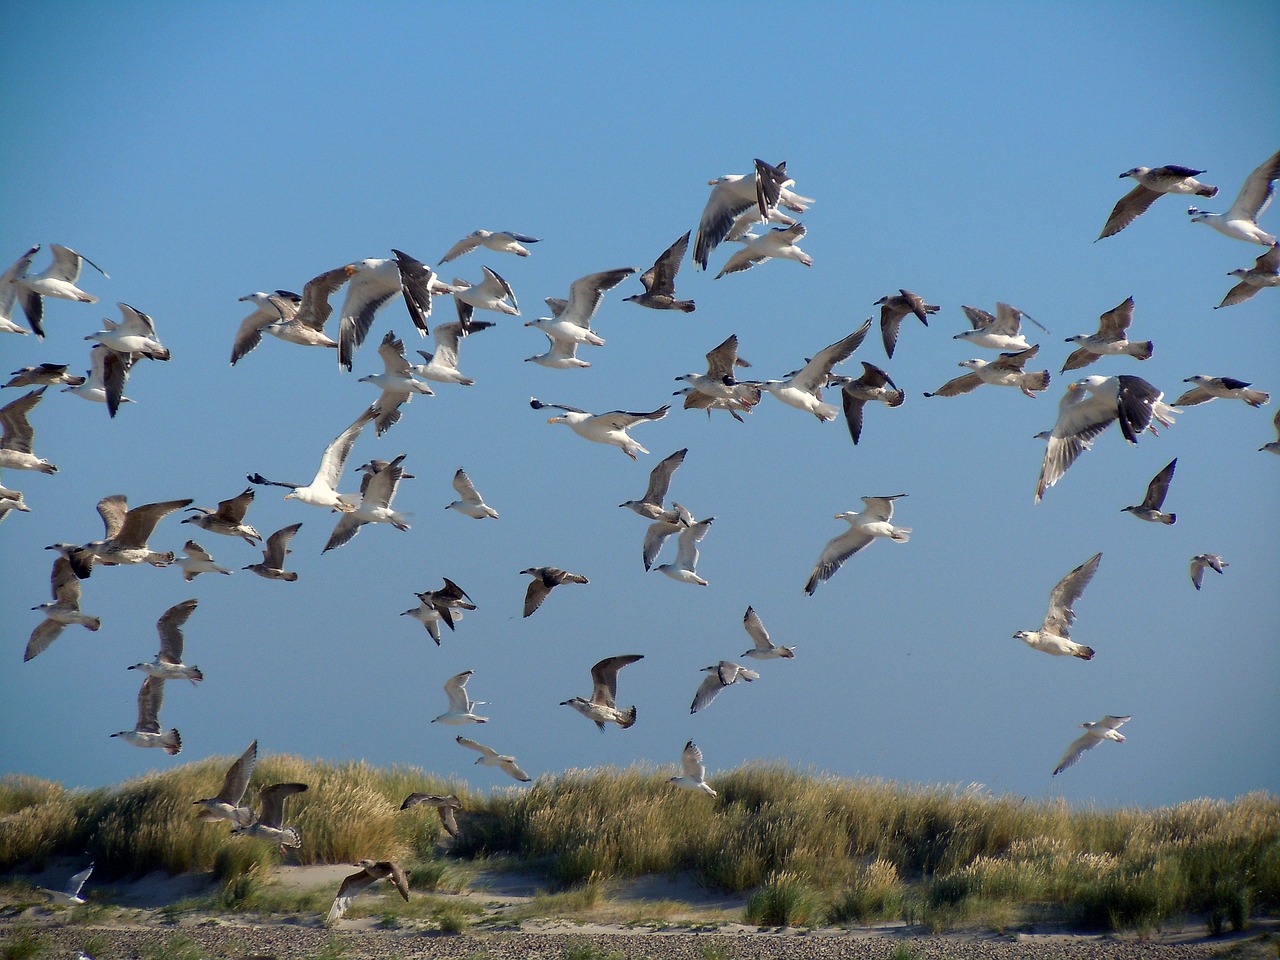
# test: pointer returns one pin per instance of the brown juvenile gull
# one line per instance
(893, 309)
(1003, 372)
(19, 435)
(864, 528)
(322, 490)
(660, 281)
(446, 806)
(610, 427)
(272, 565)
(127, 532)
(499, 241)
(44, 374)
(803, 388)
(471, 503)
(719, 676)
(228, 518)
(1240, 222)
(1265, 272)
(602, 707)
(1202, 560)
(1152, 183)
(650, 505)
(1094, 734)
(492, 758)
(168, 664)
(371, 872)
(718, 382)
(1053, 636)
(197, 561)
(874, 384)
(226, 804)
(545, 579)
(268, 824)
(146, 732)
(733, 194)
(1210, 388)
(1110, 340)
(743, 399)
(1157, 489)
(396, 382)
(291, 318)
(437, 606)
(64, 610)
(1274, 445)
(764, 648)
(57, 280)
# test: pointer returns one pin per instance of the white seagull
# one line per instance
(803, 389)
(146, 732)
(650, 505)
(492, 758)
(1053, 637)
(377, 490)
(322, 490)
(560, 355)
(69, 897)
(610, 428)
(226, 804)
(471, 503)
(396, 382)
(19, 435)
(1241, 221)
(1094, 734)
(371, 286)
(9, 292)
(694, 773)
(461, 706)
(105, 379)
(499, 241)
(1202, 560)
(64, 610)
(277, 548)
(134, 336)
(571, 319)
(764, 648)
(733, 194)
(1001, 332)
(442, 366)
(168, 664)
(197, 561)
(1152, 183)
(684, 569)
(719, 676)
(58, 280)
(781, 243)
(864, 528)
(602, 708)
(1229, 388)
(1109, 341)
(1265, 272)
(492, 293)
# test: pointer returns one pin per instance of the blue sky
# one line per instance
(201, 152)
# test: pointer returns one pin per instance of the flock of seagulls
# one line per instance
(736, 206)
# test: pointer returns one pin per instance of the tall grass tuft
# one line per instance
(785, 899)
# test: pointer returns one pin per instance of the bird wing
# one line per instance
(656, 534)
(249, 333)
(466, 489)
(723, 358)
(1067, 591)
(455, 689)
(1008, 321)
(334, 459)
(1015, 361)
(170, 628)
(539, 405)
(1080, 357)
(585, 295)
(687, 546)
(1158, 488)
(1242, 291)
(150, 699)
(64, 582)
(752, 623)
(272, 800)
(141, 521)
(1113, 723)
(621, 419)
(879, 508)
(537, 592)
(691, 761)
(1115, 322)
(113, 510)
(415, 283)
(1193, 396)
(1085, 742)
(604, 678)
(1081, 417)
(351, 886)
(314, 310)
(958, 385)
(480, 748)
(513, 769)
(853, 414)
(660, 477)
(835, 553)
(278, 545)
(136, 322)
(661, 277)
(18, 432)
(814, 373)
(45, 634)
(1255, 195)
(400, 879)
(1135, 405)
(495, 286)
(723, 206)
(367, 290)
(451, 591)
(344, 530)
(465, 245)
(978, 319)
(391, 350)
(234, 509)
(66, 263)
(76, 882)
(706, 692)
(1127, 209)
(238, 775)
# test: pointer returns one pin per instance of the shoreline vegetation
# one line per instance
(780, 847)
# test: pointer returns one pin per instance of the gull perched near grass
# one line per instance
(693, 772)
(545, 579)
(1240, 222)
(602, 708)
(873, 385)
(277, 548)
(19, 436)
(764, 648)
(1109, 341)
(168, 664)
(1153, 182)
(1202, 560)
(370, 873)
(59, 280)
(63, 611)
(610, 428)
(1157, 490)
(1053, 637)
(660, 281)
(461, 706)
(471, 503)
(1094, 734)
(892, 311)
(197, 561)
(864, 528)
(1007, 371)
(1265, 272)
(803, 388)
(146, 732)
(650, 505)
(225, 805)
(719, 675)
(492, 758)
(1229, 388)
(228, 518)
(499, 241)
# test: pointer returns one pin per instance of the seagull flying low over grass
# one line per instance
(892, 311)
(1004, 372)
(764, 648)
(864, 528)
(499, 241)
(226, 804)
(660, 281)
(491, 758)
(446, 806)
(610, 428)
(64, 610)
(803, 389)
(602, 708)
(1229, 388)
(1202, 560)
(1152, 183)
(268, 823)
(69, 897)
(1094, 734)
(1110, 340)
(1053, 636)
(873, 385)
(693, 772)
(370, 873)
(461, 706)
(1240, 222)
(1157, 489)
(57, 280)
(168, 664)
(545, 579)
(1265, 272)
(146, 732)
(719, 675)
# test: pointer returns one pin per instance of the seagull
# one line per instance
(660, 281)
(1274, 445)
(146, 733)
(1090, 406)
(396, 382)
(461, 706)
(1241, 221)
(1005, 372)
(718, 382)
(9, 292)
(127, 532)
(168, 664)
(545, 579)
(650, 505)
(135, 335)
(371, 284)
(874, 384)
(70, 897)
(803, 389)
(1202, 560)
(560, 355)
(268, 824)
(377, 490)
(1149, 509)
(44, 375)
(446, 807)
(571, 319)
(1053, 637)
(742, 399)
(272, 565)
(471, 504)
(892, 311)
(371, 872)
(1229, 388)
(1110, 340)
(694, 772)
(11, 500)
(608, 427)
(64, 610)
(197, 561)
(684, 569)
(442, 366)
(500, 241)
(1265, 272)
(733, 193)
(719, 676)
(226, 805)
(58, 280)
(322, 490)
(228, 519)
(1002, 332)
(15, 446)
(764, 649)
(445, 604)
(602, 707)
(491, 758)
(492, 293)
(1152, 182)
(291, 318)
(664, 525)
(864, 528)
(779, 243)
(105, 381)
(1094, 734)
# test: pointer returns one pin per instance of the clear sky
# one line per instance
(199, 152)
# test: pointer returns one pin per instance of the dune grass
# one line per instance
(807, 849)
